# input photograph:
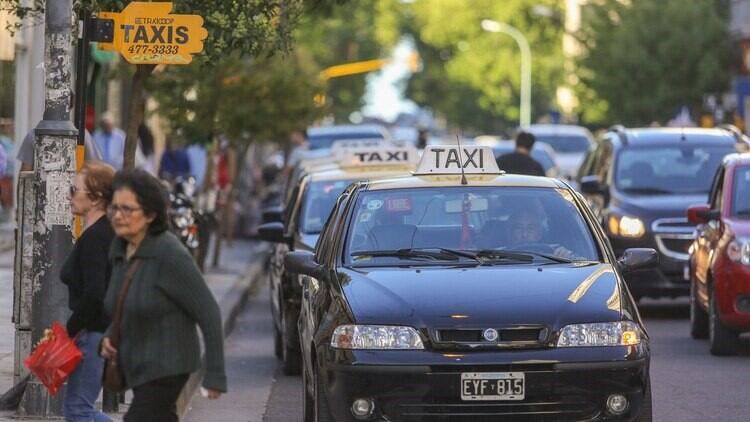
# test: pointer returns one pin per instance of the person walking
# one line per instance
(86, 272)
(158, 344)
(520, 160)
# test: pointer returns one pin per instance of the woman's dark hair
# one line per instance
(149, 192)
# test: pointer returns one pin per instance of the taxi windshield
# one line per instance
(741, 194)
(318, 202)
(512, 223)
(676, 169)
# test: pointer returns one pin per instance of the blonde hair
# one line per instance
(98, 177)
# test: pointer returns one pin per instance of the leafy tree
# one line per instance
(645, 59)
(472, 77)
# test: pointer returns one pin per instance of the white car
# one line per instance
(323, 137)
(571, 143)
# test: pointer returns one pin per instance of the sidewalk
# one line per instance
(241, 264)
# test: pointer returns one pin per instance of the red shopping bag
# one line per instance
(55, 358)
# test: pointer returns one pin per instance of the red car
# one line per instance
(720, 258)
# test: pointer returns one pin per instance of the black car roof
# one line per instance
(651, 136)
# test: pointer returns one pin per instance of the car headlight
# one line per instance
(382, 337)
(738, 250)
(626, 226)
(622, 333)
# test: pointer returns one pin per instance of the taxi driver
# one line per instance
(527, 231)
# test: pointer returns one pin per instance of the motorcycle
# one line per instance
(182, 214)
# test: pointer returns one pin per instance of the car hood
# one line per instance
(660, 206)
(740, 227)
(552, 295)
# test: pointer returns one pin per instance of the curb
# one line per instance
(235, 300)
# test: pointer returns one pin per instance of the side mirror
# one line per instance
(272, 232)
(638, 259)
(592, 186)
(271, 214)
(702, 214)
(303, 262)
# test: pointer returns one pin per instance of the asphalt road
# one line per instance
(688, 383)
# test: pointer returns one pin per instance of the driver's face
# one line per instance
(526, 228)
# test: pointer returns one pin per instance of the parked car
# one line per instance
(324, 137)
(720, 258)
(640, 182)
(571, 143)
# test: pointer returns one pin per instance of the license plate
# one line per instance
(493, 386)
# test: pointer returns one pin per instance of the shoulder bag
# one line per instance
(114, 380)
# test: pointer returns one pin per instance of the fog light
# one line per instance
(617, 404)
(362, 408)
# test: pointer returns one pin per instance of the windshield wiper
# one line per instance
(521, 255)
(408, 253)
(647, 191)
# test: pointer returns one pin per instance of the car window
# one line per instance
(317, 203)
(717, 188)
(325, 140)
(673, 169)
(741, 194)
(469, 218)
(565, 143)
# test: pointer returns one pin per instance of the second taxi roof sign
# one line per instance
(145, 33)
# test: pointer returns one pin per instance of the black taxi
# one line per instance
(307, 209)
(462, 293)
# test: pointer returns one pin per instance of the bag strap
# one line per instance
(114, 336)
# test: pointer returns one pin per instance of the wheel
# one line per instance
(322, 411)
(277, 342)
(290, 354)
(646, 412)
(698, 317)
(724, 341)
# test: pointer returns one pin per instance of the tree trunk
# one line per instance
(136, 109)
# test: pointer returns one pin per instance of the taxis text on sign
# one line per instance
(145, 33)
(454, 160)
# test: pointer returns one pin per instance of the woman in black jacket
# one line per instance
(86, 272)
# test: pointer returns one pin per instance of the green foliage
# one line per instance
(260, 99)
(472, 77)
(644, 60)
(337, 33)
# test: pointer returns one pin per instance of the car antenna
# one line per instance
(460, 164)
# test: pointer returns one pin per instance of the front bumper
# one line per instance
(670, 278)
(555, 390)
(732, 289)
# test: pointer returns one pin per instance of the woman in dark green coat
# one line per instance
(159, 344)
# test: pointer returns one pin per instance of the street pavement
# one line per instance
(688, 383)
(240, 265)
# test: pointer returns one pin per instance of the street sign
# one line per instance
(145, 33)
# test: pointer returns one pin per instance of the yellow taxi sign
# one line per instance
(382, 156)
(452, 159)
(145, 33)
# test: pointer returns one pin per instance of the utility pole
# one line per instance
(54, 169)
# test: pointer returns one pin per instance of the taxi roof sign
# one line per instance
(452, 159)
(146, 33)
(381, 156)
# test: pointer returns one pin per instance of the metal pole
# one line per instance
(523, 45)
(54, 169)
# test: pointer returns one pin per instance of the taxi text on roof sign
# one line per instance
(452, 159)
(381, 156)
(145, 33)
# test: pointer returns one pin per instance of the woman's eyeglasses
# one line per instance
(74, 189)
(124, 209)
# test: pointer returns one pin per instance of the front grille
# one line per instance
(508, 336)
(673, 237)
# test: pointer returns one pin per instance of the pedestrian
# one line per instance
(174, 163)
(111, 140)
(422, 137)
(158, 344)
(520, 160)
(86, 272)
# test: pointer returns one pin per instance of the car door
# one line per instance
(276, 261)
(707, 238)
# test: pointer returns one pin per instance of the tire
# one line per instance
(322, 411)
(646, 413)
(698, 318)
(724, 341)
(290, 354)
(278, 342)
